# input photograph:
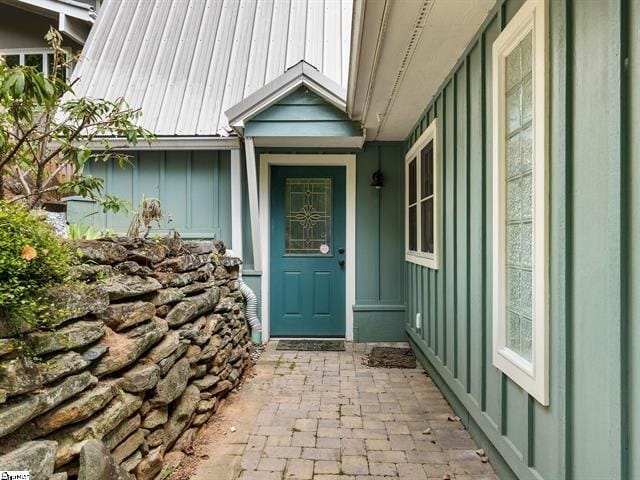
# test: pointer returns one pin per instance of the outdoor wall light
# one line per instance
(377, 179)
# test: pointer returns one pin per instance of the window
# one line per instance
(307, 216)
(520, 305)
(422, 200)
(40, 58)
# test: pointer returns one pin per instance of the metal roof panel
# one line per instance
(184, 62)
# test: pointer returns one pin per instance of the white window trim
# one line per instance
(44, 51)
(430, 260)
(531, 376)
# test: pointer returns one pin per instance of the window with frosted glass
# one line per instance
(519, 197)
(308, 215)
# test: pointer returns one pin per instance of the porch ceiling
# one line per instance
(405, 51)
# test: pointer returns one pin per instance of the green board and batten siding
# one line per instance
(591, 430)
(302, 114)
(194, 188)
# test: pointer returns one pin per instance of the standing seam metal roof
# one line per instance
(185, 62)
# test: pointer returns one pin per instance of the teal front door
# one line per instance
(307, 280)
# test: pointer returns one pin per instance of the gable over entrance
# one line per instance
(301, 108)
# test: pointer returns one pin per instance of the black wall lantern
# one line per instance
(377, 179)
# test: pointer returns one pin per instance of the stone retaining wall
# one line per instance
(152, 339)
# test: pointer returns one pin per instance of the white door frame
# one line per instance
(348, 161)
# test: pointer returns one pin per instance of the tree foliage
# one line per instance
(47, 134)
(31, 257)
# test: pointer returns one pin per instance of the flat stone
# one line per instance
(226, 261)
(119, 316)
(132, 461)
(89, 272)
(222, 387)
(128, 446)
(148, 253)
(206, 382)
(179, 418)
(76, 300)
(96, 463)
(36, 457)
(156, 417)
(172, 384)
(206, 405)
(133, 268)
(143, 376)
(182, 263)
(148, 468)
(126, 286)
(164, 348)
(193, 307)
(122, 431)
(155, 438)
(23, 375)
(124, 349)
(71, 439)
(80, 408)
(168, 362)
(76, 335)
(199, 247)
(225, 305)
(201, 419)
(99, 251)
(166, 295)
(15, 414)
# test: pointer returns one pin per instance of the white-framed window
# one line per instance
(40, 58)
(421, 199)
(520, 201)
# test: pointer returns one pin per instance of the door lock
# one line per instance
(341, 250)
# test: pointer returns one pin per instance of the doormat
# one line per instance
(390, 357)
(311, 345)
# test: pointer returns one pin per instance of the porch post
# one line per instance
(236, 203)
(254, 212)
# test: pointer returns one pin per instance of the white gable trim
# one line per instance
(301, 74)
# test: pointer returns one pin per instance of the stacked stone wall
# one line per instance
(151, 339)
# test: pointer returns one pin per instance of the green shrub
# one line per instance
(31, 257)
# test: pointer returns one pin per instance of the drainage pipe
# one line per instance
(252, 311)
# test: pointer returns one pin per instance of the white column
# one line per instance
(254, 212)
(236, 203)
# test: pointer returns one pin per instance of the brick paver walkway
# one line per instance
(325, 416)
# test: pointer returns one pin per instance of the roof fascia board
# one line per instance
(173, 143)
(57, 7)
(301, 74)
(354, 58)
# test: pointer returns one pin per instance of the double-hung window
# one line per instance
(422, 200)
(39, 58)
(520, 210)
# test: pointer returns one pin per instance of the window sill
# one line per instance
(428, 260)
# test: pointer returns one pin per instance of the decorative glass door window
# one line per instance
(422, 200)
(308, 216)
(519, 201)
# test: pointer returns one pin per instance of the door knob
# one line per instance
(341, 263)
